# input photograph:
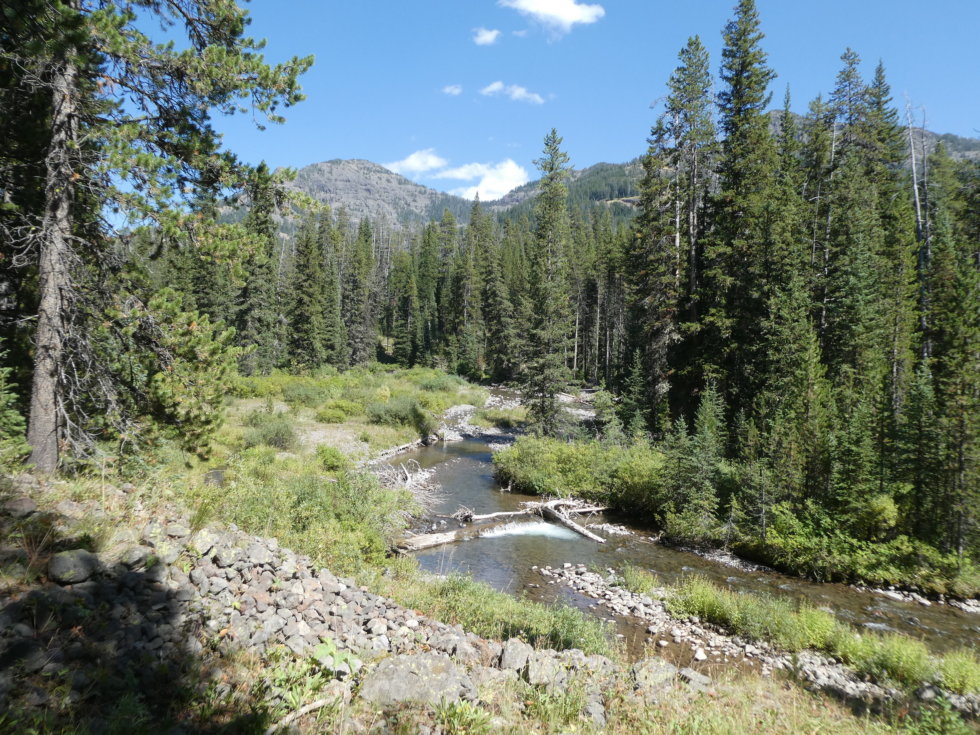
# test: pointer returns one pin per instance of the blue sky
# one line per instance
(459, 94)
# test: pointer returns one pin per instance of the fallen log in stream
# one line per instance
(557, 511)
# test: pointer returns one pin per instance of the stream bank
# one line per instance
(519, 557)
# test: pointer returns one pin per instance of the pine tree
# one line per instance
(468, 292)
(255, 321)
(358, 298)
(921, 451)
(737, 282)
(448, 248)
(13, 448)
(428, 280)
(608, 423)
(549, 319)
(335, 335)
(501, 347)
(666, 257)
(407, 322)
(307, 306)
(954, 287)
(693, 467)
(634, 406)
(105, 149)
(796, 410)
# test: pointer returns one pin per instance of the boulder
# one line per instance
(72, 567)
(258, 554)
(202, 542)
(20, 507)
(698, 682)
(136, 557)
(226, 556)
(653, 675)
(423, 678)
(544, 669)
(515, 655)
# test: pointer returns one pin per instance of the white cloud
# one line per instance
(417, 163)
(453, 89)
(558, 14)
(465, 172)
(514, 91)
(495, 179)
(485, 36)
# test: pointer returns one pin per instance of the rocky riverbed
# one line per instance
(707, 643)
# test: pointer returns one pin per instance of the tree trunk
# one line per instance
(44, 427)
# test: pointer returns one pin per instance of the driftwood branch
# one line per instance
(553, 515)
(291, 718)
(557, 511)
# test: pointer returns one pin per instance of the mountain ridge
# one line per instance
(368, 189)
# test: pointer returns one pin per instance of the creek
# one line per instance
(507, 556)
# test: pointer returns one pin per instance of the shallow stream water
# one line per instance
(505, 558)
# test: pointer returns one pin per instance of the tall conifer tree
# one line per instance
(255, 320)
(738, 256)
(549, 318)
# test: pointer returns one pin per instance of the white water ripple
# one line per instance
(534, 528)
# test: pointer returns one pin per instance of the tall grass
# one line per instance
(960, 671)
(638, 580)
(893, 657)
(459, 599)
(346, 523)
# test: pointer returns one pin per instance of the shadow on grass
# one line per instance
(119, 652)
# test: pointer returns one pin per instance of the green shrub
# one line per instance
(13, 447)
(304, 394)
(936, 718)
(816, 627)
(402, 411)
(758, 617)
(960, 671)
(896, 657)
(628, 477)
(501, 418)
(903, 659)
(269, 429)
(330, 416)
(424, 422)
(331, 458)
(347, 525)
(479, 608)
(638, 580)
(441, 384)
(637, 481)
(346, 407)
(463, 718)
(395, 411)
(556, 708)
